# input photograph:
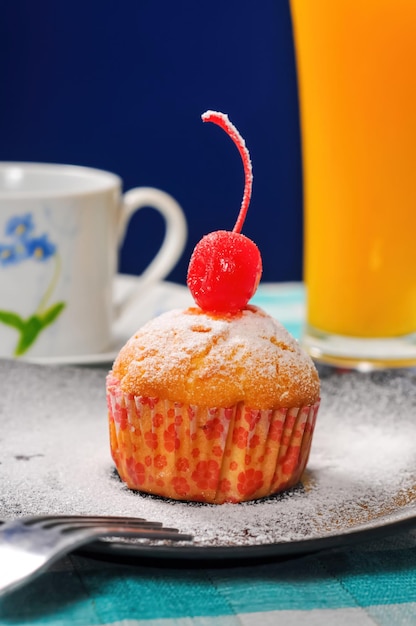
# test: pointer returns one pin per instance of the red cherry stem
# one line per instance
(221, 119)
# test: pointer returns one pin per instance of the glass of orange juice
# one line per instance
(357, 92)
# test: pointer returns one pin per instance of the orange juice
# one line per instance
(356, 63)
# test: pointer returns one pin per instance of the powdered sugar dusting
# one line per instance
(249, 357)
(55, 459)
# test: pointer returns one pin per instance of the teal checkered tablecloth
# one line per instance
(367, 584)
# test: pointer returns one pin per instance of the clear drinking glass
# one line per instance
(357, 89)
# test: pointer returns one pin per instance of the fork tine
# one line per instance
(84, 521)
(141, 530)
(137, 532)
(29, 520)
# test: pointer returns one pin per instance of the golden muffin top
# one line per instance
(204, 359)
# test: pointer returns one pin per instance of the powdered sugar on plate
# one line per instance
(55, 458)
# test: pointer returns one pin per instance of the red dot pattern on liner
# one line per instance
(213, 455)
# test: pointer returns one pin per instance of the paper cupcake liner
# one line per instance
(213, 455)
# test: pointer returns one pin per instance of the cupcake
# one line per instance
(212, 408)
(216, 403)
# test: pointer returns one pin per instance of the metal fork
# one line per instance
(29, 544)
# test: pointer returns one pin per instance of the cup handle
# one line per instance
(174, 240)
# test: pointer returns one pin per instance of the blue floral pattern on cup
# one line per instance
(24, 245)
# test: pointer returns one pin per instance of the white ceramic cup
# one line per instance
(61, 227)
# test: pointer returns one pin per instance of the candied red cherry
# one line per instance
(225, 266)
(224, 271)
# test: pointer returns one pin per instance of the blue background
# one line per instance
(121, 85)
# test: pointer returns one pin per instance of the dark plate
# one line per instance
(360, 482)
